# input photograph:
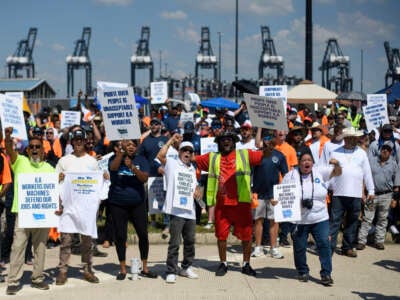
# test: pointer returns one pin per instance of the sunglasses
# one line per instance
(35, 146)
(49, 132)
(216, 127)
(187, 150)
(297, 133)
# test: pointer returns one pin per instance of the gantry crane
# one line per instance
(205, 57)
(393, 71)
(269, 59)
(142, 58)
(22, 57)
(80, 60)
(334, 59)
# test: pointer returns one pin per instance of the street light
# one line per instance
(219, 56)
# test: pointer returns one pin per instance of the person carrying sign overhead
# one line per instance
(20, 164)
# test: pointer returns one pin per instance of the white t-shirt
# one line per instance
(172, 167)
(249, 145)
(329, 147)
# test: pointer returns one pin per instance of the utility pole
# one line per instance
(160, 63)
(219, 57)
(362, 69)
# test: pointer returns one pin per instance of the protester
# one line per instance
(228, 188)
(127, 202)
(20, 164)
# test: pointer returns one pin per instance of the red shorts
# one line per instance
(237, 215)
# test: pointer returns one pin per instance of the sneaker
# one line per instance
(380, 246)
(326, 280)
(393, 229)
(284, 243)
(360, 246)
(351, 253)
(90, 277)
(165, 233)
(303, 277)
(209, 225)
(171, 278)
(98, 253)
(13, 289)
(275, 253)
(189, 273)
(258, 251)
(248, 270)
(61, 278)
(40, 285)
(222, 269)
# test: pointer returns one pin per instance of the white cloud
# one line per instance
(259, 7)
(114, 2)
(174, 15)
(189, 34)
(58, 47)
(118, 42)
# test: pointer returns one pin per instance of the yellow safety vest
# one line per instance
(242, 174)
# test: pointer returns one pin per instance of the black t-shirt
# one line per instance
(126, 188)
(149, 149)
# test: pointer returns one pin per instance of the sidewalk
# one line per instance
(373, 274)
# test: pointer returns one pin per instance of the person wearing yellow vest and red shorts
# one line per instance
(228, 188)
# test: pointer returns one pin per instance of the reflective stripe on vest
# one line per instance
(242, 175)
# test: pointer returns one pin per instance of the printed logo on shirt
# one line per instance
(160, 144)
(275, 159)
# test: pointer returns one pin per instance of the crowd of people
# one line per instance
(347, 177)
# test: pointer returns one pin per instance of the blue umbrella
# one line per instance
(392, 92)
(220, 103)
(140, 99)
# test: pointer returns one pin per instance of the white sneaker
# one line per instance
(171, 278)
(189, 273)
(393, 229)
(275, 253)
(258, 251)
(209, 225)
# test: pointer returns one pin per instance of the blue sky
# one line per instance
(176, 26)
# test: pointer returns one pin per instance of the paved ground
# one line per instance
(373, 275)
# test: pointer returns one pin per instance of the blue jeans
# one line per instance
(352, 207)
(320, 233)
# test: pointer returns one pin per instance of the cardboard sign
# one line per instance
(158, 92)
(11, 112)
(70, 118)
(120, 114)
(37, 200)
(288, 208)
(274, 91)
(266, 112)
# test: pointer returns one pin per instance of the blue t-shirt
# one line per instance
(149, 149)
(126, 188)
(172, 122)
(266, 175)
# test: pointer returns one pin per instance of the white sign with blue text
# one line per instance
(120, 114)
(184, 190)
(274, 91)
(288, 208)
(266, 112)
(38, 200)
(70, 118)
(375, 113)
(158, 92)
(12, 114)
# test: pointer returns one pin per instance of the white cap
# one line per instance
(186, 144)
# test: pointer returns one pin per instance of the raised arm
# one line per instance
(9, 145)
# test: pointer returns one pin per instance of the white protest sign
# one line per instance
(185, 117)
(70, 118)
(207, 145)
(12, 114)
(185, 183)
(103, 162)
(158, 92)
(156, 195)
(80, 194)
(373, 99)
(274, 91)
(288, 208)
(194, 98)
(37, 200)
(375, 115)
(266, 112)
(120, 114)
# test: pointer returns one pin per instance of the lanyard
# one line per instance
(312, 185)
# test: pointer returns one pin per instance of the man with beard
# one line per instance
(20, 164)
(348, 189)
(228, 188)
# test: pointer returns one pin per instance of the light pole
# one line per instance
(219, 56)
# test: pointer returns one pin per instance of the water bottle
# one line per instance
(135, 268)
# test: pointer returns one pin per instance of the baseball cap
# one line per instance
(388, 144)
(78, 134)
(185, 145)
(246, 124)
(155, 120)
(37, 131)
(387, 127)
(216, 123)
(188, 127)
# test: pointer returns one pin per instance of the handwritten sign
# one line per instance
(12, 115)
(274, 91)
(119, 113)
(37, 200)
(70, 118)
(266, 112)
(185, 183)
(158, 92)
(288, 207)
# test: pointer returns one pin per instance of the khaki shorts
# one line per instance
(264, 210)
